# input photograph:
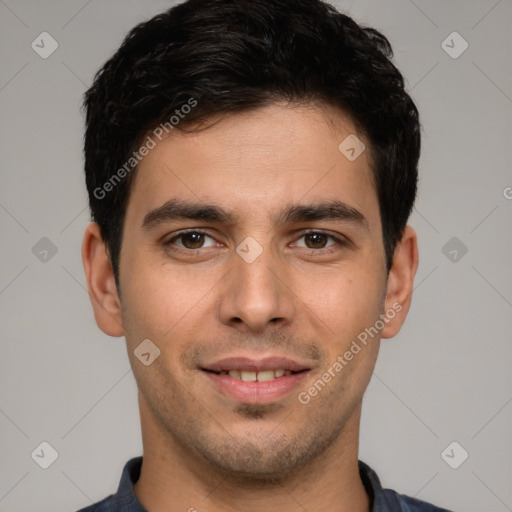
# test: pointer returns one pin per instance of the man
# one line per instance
(251, 167)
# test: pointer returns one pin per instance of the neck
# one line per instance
(172, 479)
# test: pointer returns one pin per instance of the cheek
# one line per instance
(345, 302)
(159, 301)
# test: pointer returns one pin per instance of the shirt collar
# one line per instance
(125, 499)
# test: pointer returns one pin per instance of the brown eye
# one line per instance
(191, 240)
(316, 240)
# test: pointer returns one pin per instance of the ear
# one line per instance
(101, 283)
(401, 282)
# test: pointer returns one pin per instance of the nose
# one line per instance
(257, 294)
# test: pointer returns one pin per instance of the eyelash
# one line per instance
(340, 242)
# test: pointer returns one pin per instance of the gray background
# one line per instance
(446, 377)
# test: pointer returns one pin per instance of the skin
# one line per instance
(303, 298)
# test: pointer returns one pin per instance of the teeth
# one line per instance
(264, 376)
(248, 376)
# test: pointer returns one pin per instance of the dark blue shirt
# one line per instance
(384, 500)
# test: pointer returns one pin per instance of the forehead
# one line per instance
(258, 162)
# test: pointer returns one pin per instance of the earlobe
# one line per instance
(401, 282)
(101, 283)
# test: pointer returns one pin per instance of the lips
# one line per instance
(254, 365)
(256, 381)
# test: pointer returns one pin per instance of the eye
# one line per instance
(317, 240)
(195, 239)
(191, 240)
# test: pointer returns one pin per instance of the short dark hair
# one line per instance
(229, 56)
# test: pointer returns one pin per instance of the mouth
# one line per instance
(251, 381)
(252, 376)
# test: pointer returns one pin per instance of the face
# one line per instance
(253, 259)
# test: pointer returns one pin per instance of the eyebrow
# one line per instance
(176, 209)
